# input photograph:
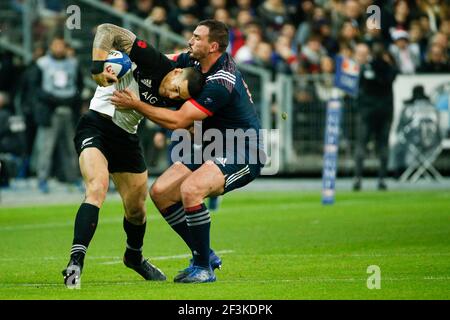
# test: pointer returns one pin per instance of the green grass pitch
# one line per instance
(274, 245)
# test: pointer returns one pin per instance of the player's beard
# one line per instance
(191, 53)
(192, 57)
(195, 56)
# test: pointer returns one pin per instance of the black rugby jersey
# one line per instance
(152, 67)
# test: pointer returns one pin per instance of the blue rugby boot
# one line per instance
(199, 275)
(214, 261)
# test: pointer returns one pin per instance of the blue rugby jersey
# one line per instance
(225, 97)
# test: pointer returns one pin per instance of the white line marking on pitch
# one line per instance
(262, 281)
(178, 256)
(363, 255)
(316, 256)
(61, 224)
(312, 279)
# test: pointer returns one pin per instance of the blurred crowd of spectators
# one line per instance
(303, 36)
(39, 107)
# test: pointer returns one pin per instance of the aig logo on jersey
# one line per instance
(149, 97)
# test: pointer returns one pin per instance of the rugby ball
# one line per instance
(118, 63)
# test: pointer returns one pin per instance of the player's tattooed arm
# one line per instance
(107, 37)
(110, 36)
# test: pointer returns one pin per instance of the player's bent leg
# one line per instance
(232, 176)
(165, 191)
(205, 181)
(208, 180)
(94, 169)
(132, 187)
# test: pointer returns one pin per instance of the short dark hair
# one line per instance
(195, 80)
(218, 32)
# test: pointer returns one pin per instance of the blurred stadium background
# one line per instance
(286, 51)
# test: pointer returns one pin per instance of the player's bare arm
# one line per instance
(107, 37)
(170, 119)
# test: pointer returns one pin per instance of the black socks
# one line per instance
(135, 241)
(85, 225)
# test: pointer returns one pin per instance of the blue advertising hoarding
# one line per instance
(347, 80)
(331, 147)
(347, 75)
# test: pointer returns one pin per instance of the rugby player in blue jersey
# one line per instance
(224, 104)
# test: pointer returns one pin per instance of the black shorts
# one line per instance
(120, 148)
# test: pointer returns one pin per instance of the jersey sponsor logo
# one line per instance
(149, 97)
(86, 142)
(147, 82)
(142, 44)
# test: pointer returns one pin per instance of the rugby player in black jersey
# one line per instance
(107, 143)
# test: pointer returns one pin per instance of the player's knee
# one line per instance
(189, 191)
(179, 165)
(157, 191)
(136, 215)
(96, 191)
(134, 200)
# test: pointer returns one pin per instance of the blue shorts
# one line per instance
(237, 173)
